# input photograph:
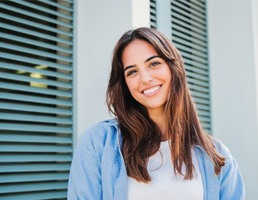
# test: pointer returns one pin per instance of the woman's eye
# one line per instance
(131, 73)
(153, 64)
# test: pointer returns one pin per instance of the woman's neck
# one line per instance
(159, 119)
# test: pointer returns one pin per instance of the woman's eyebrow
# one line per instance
(147, 60)
(150, 58)
(128, 67)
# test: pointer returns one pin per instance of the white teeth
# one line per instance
(151, 90)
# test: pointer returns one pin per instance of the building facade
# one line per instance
(55, 59)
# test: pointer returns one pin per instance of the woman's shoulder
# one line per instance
(221, 147)
(106, 126)
(100, 132)
(230, 178)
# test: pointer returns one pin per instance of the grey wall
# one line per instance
(100, 23)
(233, 63)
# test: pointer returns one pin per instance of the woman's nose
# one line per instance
(146, 76)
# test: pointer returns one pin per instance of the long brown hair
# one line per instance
(141, 137)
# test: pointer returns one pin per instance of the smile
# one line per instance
(152, 90)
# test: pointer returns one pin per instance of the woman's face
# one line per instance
(147, 75)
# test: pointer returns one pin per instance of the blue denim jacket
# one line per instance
(98, 170)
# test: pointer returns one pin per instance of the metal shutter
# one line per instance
(153, 17)
(36, 98)
(189, 33)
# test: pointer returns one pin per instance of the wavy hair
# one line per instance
(141, 137)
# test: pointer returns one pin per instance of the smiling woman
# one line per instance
(155, 148)
(148, 77)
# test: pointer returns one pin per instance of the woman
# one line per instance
(156, 147)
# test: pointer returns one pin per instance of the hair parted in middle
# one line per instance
(141, 137)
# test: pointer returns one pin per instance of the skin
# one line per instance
(148, 78)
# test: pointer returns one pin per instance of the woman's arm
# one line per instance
(85, 174)
(231, 181)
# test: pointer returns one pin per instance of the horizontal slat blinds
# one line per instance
(36, 98)
(189, 34)
(153, 17)
(188, 30)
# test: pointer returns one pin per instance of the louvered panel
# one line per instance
(34, 61)
(204, 122)
(195, 76)
(30, 158)
(198, 100)
(153, 17)
(198, 65)
(197, 84)
(206, 125)
(46, 72)
(203, 113)
(36, 98)
(35, 6)
(187, 48)
(69, 1)
(34, 33)
(35, 80)
(199, 8)
(191, 41)
(192, 68)
(188, 20)
(202, 107)
(183, 19)
(36, 109)
(57, 5)
(34, 148)
(30, 138)
(34, 25)
(35, 128)
(190, 8)
(204, 119)
(33, 51)
(187, 26)
(35, 118)
(31, 167)
(33, 177)
(199, 91)
(189, 11)
(19, 87)
(35, 15)
(37, 195)
(189, 32)
(200, 3)
(28, 187)
(194, 57)
(197, 35)
(36, 43)
(199, 94)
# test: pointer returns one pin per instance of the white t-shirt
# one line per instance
(165, 184)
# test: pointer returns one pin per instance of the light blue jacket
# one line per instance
(98, 170)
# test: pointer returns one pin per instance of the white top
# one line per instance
(165, 184)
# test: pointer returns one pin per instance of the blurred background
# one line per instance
(55, 60)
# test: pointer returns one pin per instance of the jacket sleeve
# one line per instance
(231, 181)
(85, 174)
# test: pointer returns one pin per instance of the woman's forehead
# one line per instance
(137, 51)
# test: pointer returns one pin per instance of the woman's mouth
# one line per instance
(151, 90)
